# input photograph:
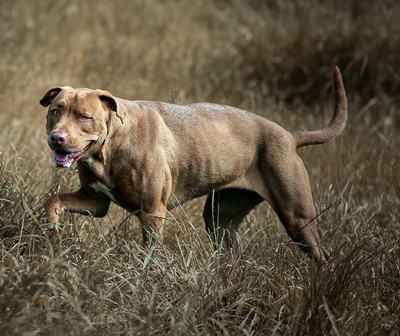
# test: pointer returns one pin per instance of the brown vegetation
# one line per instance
(271, 57)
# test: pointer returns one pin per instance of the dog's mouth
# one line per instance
(63, 159)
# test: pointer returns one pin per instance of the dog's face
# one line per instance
(77, 122)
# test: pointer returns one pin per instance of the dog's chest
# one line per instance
(101, 188)
(98, 179)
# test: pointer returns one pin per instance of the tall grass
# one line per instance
(274, 58)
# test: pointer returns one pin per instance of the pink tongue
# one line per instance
(63, 159)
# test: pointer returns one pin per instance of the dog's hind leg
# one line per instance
(224, 210)
(290, 196)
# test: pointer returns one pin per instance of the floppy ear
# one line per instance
(109, 101)
(49, 96)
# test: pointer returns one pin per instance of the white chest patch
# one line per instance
(103, 189)
(89, 161)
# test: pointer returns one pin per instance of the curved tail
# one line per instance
(337, 123)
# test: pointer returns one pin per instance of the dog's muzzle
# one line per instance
(63, 159)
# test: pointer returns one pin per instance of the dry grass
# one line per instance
(273, 58)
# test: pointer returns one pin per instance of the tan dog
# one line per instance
(148, 157)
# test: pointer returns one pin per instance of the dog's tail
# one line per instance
(337, 123)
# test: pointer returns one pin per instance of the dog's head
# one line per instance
(77, 122)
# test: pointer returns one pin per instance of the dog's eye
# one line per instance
(84, 117)
(55, 112)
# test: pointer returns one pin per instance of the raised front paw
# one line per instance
(51, 217)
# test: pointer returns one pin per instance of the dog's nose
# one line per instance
(58, 138)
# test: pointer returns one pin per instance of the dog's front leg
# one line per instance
(79, 201)
(153, 226)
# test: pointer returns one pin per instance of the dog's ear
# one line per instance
(109, 101)
(49, 96)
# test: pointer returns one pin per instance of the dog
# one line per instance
(148, 157)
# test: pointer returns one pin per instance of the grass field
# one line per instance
(274, 58)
